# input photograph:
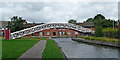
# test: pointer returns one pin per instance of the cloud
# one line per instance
(48, 12)
(60, 0)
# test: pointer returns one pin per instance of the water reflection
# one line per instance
(73, 49)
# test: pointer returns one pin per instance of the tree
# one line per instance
(119, 33)
(15, 24)
(99, 17)
(90, 20)
(72, 21)
(98, 31)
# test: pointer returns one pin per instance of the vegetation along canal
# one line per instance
(73, 49)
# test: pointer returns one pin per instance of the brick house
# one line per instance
(55, 32)
(61, 31)
(89, 25)
(50, 32)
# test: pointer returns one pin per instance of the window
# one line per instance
(47, 33)
(60, 33)
(41, 33)
(76, 32)
(68, 32)
(63, 33)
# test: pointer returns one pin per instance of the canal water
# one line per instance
(73, 49)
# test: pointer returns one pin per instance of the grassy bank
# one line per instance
(52, 50)
(1, 38)
(15, 48)
(105, 39)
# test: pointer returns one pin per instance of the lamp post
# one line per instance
(113, 23)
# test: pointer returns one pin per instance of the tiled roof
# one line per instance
(27, 25)
(85, 24)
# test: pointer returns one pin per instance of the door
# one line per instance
(54, 33)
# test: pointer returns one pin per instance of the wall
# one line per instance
(72, 32)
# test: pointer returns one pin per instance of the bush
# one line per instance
(110, 32)
(105, 39)
(118, 33)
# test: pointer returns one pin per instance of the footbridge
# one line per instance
(38, 28)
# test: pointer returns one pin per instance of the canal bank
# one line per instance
(73, 49)
(96, 42)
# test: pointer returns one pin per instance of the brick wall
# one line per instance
(56, 32)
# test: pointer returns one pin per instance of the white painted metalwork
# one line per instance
(38, 28)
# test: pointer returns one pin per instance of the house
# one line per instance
(3, 25)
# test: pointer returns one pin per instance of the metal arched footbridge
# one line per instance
(38, 28)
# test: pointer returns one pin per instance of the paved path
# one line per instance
(34, 52)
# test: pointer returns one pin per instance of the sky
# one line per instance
(58, 12)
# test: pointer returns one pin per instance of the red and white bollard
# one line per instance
(7, 34)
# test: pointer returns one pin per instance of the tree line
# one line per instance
(103, 26)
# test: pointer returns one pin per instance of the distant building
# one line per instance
(61, 31)
(50, 32)
(28, 25)
(55, 32)
(89, 25)
(3, 25)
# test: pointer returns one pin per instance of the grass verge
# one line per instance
(15, 48)
(12, 49)
(104, 39)
(52, 51)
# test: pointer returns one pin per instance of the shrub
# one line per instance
(110, 32)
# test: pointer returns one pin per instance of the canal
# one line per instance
(73, 49)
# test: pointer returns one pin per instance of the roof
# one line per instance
(3, 24)
(85, 24)
(27, 25)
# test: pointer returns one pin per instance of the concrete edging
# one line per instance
(96, 42)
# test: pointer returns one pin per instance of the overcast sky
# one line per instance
(49, 12)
